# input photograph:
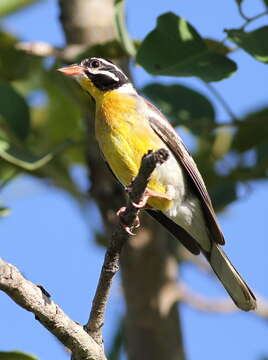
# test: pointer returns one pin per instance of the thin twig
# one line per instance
(241, 12)
(118, 239)
(253, 18)
(222, 305)
(247, 18)
(202, 303)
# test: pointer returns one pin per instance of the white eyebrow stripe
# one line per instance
(105, 73)
(105, 62)
(108, 74)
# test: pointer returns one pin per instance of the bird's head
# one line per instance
(97, 76)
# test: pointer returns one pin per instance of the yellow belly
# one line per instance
(124, 138)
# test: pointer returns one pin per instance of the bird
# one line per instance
(127, 126)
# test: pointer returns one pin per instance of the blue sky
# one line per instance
(50, 239)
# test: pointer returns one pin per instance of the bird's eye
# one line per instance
(95, 64)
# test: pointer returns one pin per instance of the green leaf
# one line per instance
(63, 116)
(7, 173)
(222, 142)
(4, 211)
(239, 2)
(182, 105)
(217, 46)
(246, 173)
(15, 64)
(223, 194)
(9, 6)
(63, 119)
(16, 355)
(174, 48)
(121, 29)
(14, 110)
(262, 154)
(252, 131)
(25, 159)
(254, 42)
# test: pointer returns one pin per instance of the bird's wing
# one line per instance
(168, 134)
(182, 235)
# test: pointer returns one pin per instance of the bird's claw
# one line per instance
(121, 211)
(141, 204)
(127, 228)
(137, 223)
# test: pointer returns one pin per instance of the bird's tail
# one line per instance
(230, 278)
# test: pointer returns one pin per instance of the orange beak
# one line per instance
(72, 70)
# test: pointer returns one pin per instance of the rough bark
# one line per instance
(149, 270)
(35, 299)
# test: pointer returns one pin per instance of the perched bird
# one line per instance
(126, 127)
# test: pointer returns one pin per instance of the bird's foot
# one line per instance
(148, 194)
(140, 205)
(127, 228)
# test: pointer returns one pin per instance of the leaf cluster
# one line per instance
(48, 139)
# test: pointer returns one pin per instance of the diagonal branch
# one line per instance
(36, 300)
(118, 239)
(85, 343)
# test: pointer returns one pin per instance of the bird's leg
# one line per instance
(142, 204)
(147, 194)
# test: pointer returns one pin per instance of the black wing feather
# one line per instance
(169, 136)
(176, 231)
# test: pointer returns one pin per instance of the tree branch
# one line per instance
(43, 49)
(118, 239)
(85, 343)
(34, 299)
(223, 305)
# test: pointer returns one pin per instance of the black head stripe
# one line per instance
(103, 82)
(106, 76)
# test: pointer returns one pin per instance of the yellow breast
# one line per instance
(124, 136)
